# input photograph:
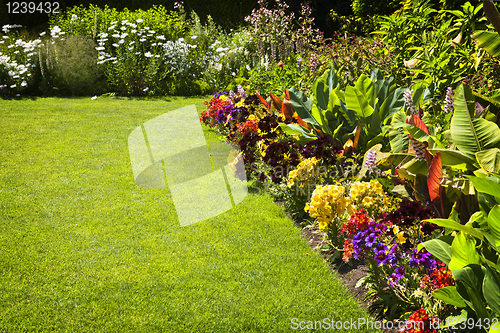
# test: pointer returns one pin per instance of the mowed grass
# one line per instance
(83, 249)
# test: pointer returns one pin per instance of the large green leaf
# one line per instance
(358, 102)
(366, 87)
(294, 129)
(486, 185)
(449, 295)
(447, 223)
(454, 157)
(470, 134)
(488, 40)
(489, 160)
(469, 282)
(321, 93)
(454, 320)
(463, 252)
(302, 105)
(494, 224)
(399, 139)
(439, 247)
(396, 103)
(491, 289)
(332, 80)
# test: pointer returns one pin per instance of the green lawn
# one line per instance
(83, 249)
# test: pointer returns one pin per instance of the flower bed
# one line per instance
(365, 213)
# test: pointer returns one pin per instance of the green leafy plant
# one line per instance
(473, 256)
(69, 67)
(356, 117)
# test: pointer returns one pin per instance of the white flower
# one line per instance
(142, 40)
(115, 45)
(161, 37)
(148, 54)
(194, 37)
(133, 31)
(43, 33)
(24, 84)
(100, 48)
(139, 20)
(145, 89)
(13, 86)
(121, 41)
(94, 98)
(74, 17)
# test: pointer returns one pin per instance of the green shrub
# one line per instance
(69, 67)
(94, 20)
(363, 8)
(353, 25)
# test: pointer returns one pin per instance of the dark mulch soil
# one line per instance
(350, 274)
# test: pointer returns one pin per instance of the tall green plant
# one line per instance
(473, 255)
(361, 113)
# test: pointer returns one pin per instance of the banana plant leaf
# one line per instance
(470, 134)
(488, 40)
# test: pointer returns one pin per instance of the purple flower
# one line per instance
(370, 159)
(381, 257)
(419, 148)
(422, 258)
(300, 63)
(370, 240)
(397, 275)
(409, 100)
(242, 92)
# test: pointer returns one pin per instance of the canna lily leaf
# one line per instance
(417, 122)
(488, 40)
(434, 177)
(470, 134)
(277, 102)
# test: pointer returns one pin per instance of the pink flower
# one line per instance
(281, 64)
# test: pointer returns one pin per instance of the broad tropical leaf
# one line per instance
(434, 178)
(489, 160)
(357, 102)
(439, 247)
(488, 40)
(470, 134)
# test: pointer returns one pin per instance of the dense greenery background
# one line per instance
(228, 14)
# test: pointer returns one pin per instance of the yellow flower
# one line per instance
(400, 238)
(367, 201)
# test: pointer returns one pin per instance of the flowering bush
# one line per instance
(399, 273)
(18, 61)
(329, 205)
(370, 196)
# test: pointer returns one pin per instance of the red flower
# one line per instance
(281, 64)
(421, 323)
